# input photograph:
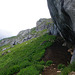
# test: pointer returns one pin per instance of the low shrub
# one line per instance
(61, 66)
(24, 64)
(42, 62)
(48, 63)
(68, 69)
(72, 66)
(13, 69)
(31, 70)
(39, 67)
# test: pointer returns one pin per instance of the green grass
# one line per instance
(42, 32)
(5, 46)
(68, 69)
(61, 66)
(39, 33)
(33, 30)
(31, 70)
(49, 62)
(25, 58)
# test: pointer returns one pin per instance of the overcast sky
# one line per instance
(17, 15)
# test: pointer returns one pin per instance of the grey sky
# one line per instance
(16, 15)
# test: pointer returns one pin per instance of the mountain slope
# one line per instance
(42, 26)
(24, 59)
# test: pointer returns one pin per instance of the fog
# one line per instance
(17, 15)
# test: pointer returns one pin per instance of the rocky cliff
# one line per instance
(63, 15)
(42, 26)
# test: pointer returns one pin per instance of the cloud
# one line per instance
(17, 15)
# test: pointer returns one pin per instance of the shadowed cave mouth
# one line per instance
(57, 53)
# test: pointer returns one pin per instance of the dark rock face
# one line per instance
(59, 10)
(63, 15)
(54, 30)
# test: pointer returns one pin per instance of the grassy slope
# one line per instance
(25, 58)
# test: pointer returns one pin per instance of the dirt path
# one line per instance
(58, 54)
(51, 70)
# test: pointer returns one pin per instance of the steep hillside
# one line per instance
(25, 58)
(42, 26)
(34, 51)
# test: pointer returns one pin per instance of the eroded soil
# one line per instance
(59, 55)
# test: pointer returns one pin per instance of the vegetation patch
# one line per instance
(31, 70)
(61, 66)
(33, 30)
(68, 69)
(49, 62)
(25, 58)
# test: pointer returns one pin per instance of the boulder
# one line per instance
(9, 51)
(24, 32)
(72, 73)
(73, 57)
(4, 49)
(43, 23)
(63, 15)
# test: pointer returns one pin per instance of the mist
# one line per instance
(5, 34)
